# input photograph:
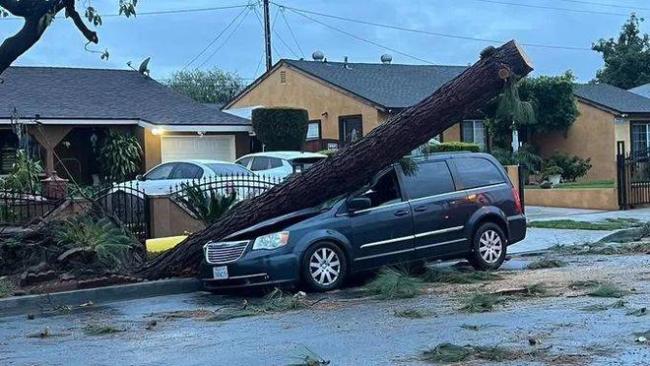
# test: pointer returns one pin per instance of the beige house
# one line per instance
(347, 100)
(67, 111)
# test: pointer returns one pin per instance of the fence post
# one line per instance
(522, 182)
(621, 177)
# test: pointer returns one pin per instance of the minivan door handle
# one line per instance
(401, 212)
(420, 209)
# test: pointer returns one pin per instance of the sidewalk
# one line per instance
(537, 213)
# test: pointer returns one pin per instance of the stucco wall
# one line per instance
(587, 198)
(169, 219)
(592, 135)
(322, 101)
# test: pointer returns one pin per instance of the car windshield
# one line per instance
(229, 169)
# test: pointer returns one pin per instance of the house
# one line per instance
(607, 115)
(66, 112)
(346, 100)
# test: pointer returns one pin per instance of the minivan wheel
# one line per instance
(324, 267)
(489, 247)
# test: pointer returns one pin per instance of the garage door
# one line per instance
(197, 147)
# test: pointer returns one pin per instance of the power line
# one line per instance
(437, 34)
(293, 35)
(259, 19)
(616, 6)
(191, 61)
(361, 38)
(583, 11)
(162, 12)
(234, 30)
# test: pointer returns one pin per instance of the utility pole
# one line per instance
(267, 36)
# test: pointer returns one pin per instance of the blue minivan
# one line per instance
(446, 206)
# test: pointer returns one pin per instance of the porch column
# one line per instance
(49, 137)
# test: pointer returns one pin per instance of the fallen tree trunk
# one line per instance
(356, 164)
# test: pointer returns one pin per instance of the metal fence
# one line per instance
(632, 178)
(241, 186)
(18, 208)
(130, 205)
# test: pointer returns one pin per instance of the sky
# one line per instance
(175, 41)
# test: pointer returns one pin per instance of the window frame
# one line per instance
(463, 138)
(460, 185)
(452, 175)
(320, 130)
(633, 149)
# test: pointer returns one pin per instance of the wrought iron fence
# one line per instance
(18, 208)
(633, 178)
(129, 204)
(197, 195)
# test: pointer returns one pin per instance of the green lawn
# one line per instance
(608, 224)
(594, 184)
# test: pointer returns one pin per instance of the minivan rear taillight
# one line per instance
(515, 194)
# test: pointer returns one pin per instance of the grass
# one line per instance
(447, 353)
(584, 284)
(458, 276)
(607, 224)
(482, 303)
(608, 290)
(603, 248)
(101, 329)
(6, 287)
(394, 284)
(575, 185)
(546, 263)
(411, 314)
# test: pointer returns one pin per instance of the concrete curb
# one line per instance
(101, 295)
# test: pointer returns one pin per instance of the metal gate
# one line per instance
(130, 206)
(632, 178)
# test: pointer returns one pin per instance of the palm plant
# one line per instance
(25, 174)
(206, 202)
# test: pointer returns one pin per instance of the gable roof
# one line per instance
(611, 97)
(642, 90)
(101, 94)
(389, 86)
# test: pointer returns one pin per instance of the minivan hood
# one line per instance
(278, 223)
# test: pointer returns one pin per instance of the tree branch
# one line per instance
(72, 13)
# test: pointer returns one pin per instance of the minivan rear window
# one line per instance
(477, 172)
(430, 179)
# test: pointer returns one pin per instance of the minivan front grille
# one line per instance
(224, 252)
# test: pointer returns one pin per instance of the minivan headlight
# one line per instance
(271, 241)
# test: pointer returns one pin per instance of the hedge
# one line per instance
(453, 146)
(280, 128)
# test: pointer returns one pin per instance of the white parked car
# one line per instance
(279, 164)
(168, 177)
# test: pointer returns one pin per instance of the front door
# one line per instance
(350, 129)
(437, 222)
(382, 234)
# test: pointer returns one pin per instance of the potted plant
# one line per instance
(553, 174)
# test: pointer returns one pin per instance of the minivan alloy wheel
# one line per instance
(324, 266)
(490, 246)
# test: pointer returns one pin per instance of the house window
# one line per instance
(473, 131)
(283, 77)
(313, 130)
(640, 139)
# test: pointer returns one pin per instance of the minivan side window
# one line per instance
(385, 191)
(477, 172)
(430, 179)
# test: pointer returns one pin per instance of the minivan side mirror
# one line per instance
(359, 203)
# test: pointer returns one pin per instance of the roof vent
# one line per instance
(345, 62)
(386, 59)
(318, 56)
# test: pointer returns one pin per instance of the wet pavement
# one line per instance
(349, 328)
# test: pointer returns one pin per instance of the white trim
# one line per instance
(420, 235)
(441, 231)
(411, 249)
(143, 124)
(388, 241)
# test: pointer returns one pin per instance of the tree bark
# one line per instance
(38, 14)
(356, 164)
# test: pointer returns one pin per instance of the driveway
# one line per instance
(350, 328)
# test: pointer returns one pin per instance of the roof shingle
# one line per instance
(73, 93)
(388, 85)
(617, 99)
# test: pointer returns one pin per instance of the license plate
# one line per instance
(220, 273)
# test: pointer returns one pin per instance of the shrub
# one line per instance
(120, 156)
(206, 203)
(453, 146)
(25, 174)
(551, 170)
(525, 156)
(573, 167)
(281, 128)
